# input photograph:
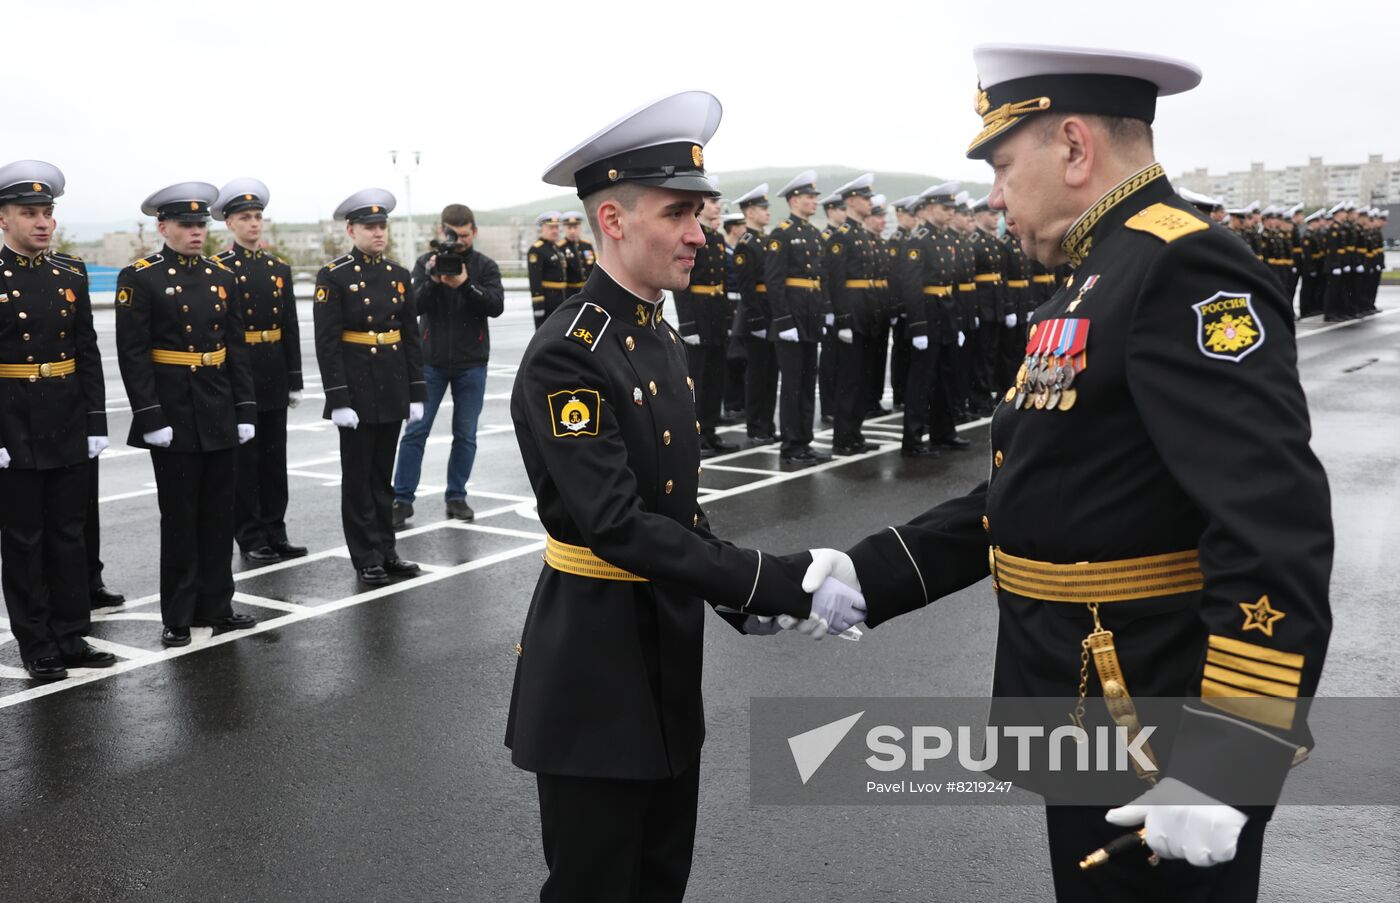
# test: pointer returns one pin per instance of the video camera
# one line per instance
(451, 254)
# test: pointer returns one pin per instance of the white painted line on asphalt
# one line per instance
(264, 602)
(734, 468)
(498, 531)
(117, 649)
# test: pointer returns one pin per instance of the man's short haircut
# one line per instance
(458, 215)
(625, 193)
(1122, 131)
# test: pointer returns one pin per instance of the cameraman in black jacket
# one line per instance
(457, 289)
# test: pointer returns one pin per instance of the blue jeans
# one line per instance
(468, 392)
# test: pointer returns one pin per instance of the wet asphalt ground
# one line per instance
(350, 748)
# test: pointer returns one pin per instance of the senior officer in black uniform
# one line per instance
(852, 287)
(264, 292)
(792, 273)
(547, 265)
(606, 707)
(52, 422)
(184, 363)
(703, 313)
(1154, 454)
(371, 358)
(761, 370)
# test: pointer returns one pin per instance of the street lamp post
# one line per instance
(408, 168)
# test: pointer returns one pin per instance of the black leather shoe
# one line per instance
(918, 451)
(47, 668)
(878, 411)
(287, 550)
(89, 657)
(841, 451)
(403, 511)
(867, 446)
(397, 567)
(373, 575)
(955, 442)
(798, 456)
(232, 622)
(458, 509)
(261, 555)
(762, 440)
(175, 636)
(102, 597)
(718, 444)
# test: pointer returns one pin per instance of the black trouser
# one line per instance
(985, 362)
(826, 372)
(617, 841)
(962, 367)
(92, 531)
(735, 368)
(879, 355)
(1012, 351)
(928, 404)
(797, 362)
(261, 506)
(367, 491)
(1334, 297)
(1290, 285)
(899, 359)
(760, 386)
(195, 492)
(707, 369)
(1308, 296)
(41, 553)
(854, 363)
(1076, 831)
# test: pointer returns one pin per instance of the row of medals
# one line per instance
(1046, 383)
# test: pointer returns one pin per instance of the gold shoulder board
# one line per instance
(1166, 223)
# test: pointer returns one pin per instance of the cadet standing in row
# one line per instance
(578, 252)
(703, 313)
(52, 424)
(263, 289)
(834, 209)
(733, 226)
(888, 309)
(792, 273)
(547, 266)
(851, 274)
(185, 365)
(761, 369)
(900, 348)
(371, 358)
(925, 278)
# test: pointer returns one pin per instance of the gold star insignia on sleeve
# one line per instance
(1260, 616)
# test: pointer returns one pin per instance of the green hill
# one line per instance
(735, 182)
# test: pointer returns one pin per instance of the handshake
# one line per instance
(837, 604)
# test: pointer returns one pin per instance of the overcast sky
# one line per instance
(310, 97)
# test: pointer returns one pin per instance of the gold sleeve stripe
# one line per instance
(1259, 709)
(1245, 682)
(1257, 669)
(1260, 653)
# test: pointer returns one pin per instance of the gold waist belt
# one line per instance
(1045, 280)
(575, 285)
(558, 285)
(34, 372)
(1280, 261)
(392, 337)
(860, 283)
(938, 291)
(987, 277)
(1018, 283)
(802, 283)
(189, 358)
(882, 283)
(761, 289)
(707, 289)
(581, 562)
(1097, 581)
(261, 336)
(967, 286)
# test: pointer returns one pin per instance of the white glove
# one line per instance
(1010, 321)
(415, 411)
(246, 431)
(788, 335)
(4, 458)
(976, 322)
(759, 333)
(1346, 269)
(846, 335)
(920, 342)
(829, 563)
(830, 319)
(161, 438)
(836, 607)
(961, 338)
(345, 418)
(1193, 826)
(96, 445)
(1336, 272)
(293, 398)
(894, 321)
(691, 339)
